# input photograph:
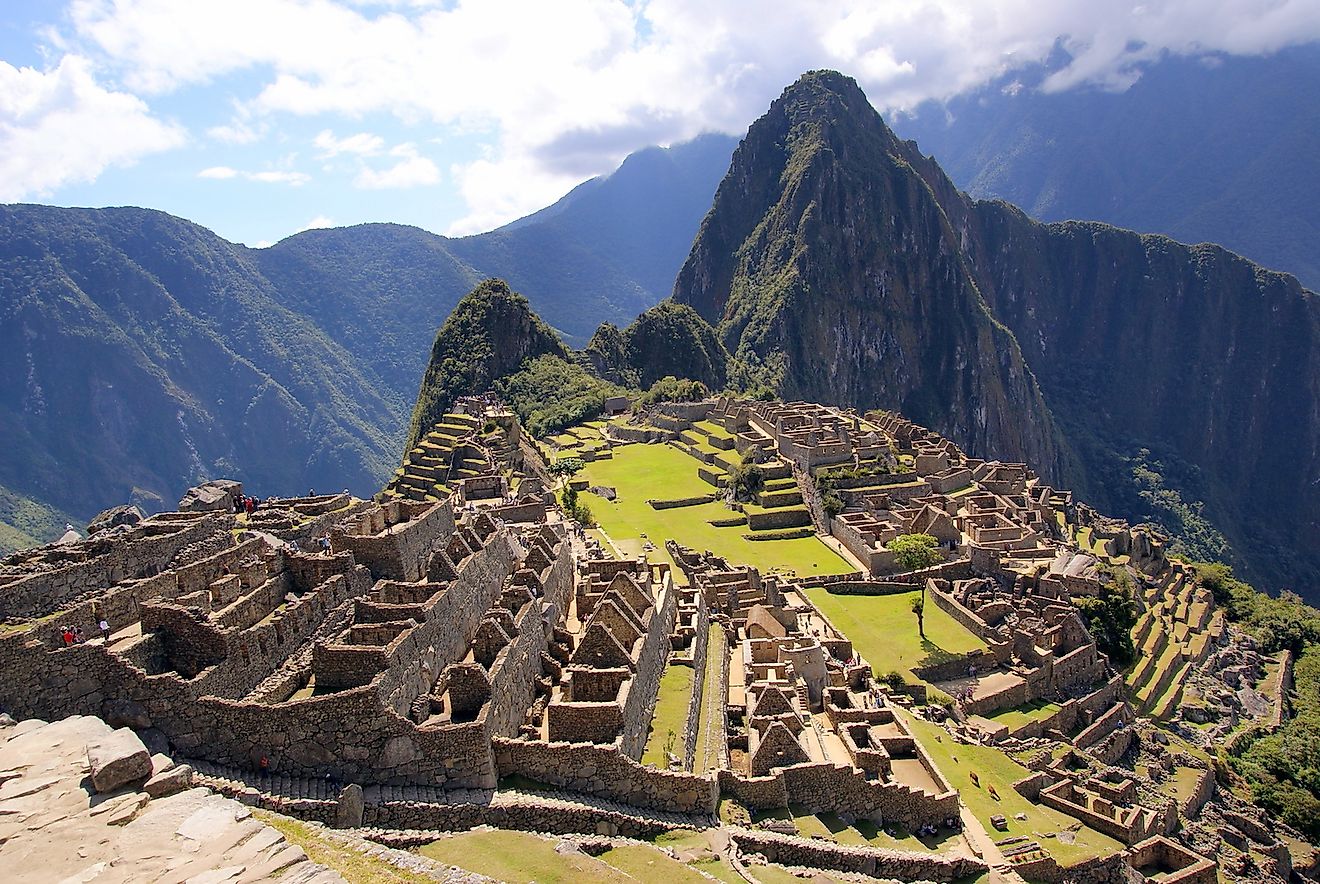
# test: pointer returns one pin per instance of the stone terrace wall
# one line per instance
(350, 734)
(606, 772)
(822, 787)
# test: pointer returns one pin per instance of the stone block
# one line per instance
(348, 813)
(117, 759)
(175, 779)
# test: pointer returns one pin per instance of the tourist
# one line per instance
(104, 626)
(68, 636)
(77, 634)
(249, 505)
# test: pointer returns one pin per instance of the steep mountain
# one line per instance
(1212, 149)
(1182, 374)
(832, 272)
(488, 336)
(669, 340)
(840, 264)
(141, 352)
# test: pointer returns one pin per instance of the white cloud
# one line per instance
(237, 132)
(218, 172)
(317, 223)
(564, 90)
(274, 176)
(61, 127)
(411, 170)
(362, 144)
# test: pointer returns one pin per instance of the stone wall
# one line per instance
(640, 702)
(450, 624)
(783, 517)
(605, 772)
(874, 862)
(103, 560)
(403, 550)
(700, 660)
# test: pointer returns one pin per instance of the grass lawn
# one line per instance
(639, 472)
(518, 857)
(671, 708)
(648, 864)
(883, 629)
(1018, 716)
(995, 768)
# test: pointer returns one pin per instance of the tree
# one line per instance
(566, 468)
(912, 552)
(919, 608)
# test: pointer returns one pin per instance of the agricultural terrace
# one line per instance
(641, 472)
(883, 629)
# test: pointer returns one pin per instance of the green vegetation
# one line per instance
(566, 467)
(576, 508)
(671, 389)
(519, 857)
(1017, 716)
(1282, 768)
(491, 332)
(1194, 536)
(880, 629)
(639, 472)
(355, 867)
(550, 394)
(1111, 615)
(994, 768)
(746, 478)
(24, 522)
(669, 722)
(913, 552)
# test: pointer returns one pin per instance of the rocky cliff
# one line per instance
(832, 273)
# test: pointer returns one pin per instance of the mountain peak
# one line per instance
(491, 332)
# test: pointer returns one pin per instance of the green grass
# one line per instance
(883, 629)
(518, 857)
(671, 708)
(648, 864)
(639, 472)
(1018, 716)
(994, 768)
(355, 867)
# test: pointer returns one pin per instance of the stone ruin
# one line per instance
(399, 663)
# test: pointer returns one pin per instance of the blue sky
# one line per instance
(259, 118)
